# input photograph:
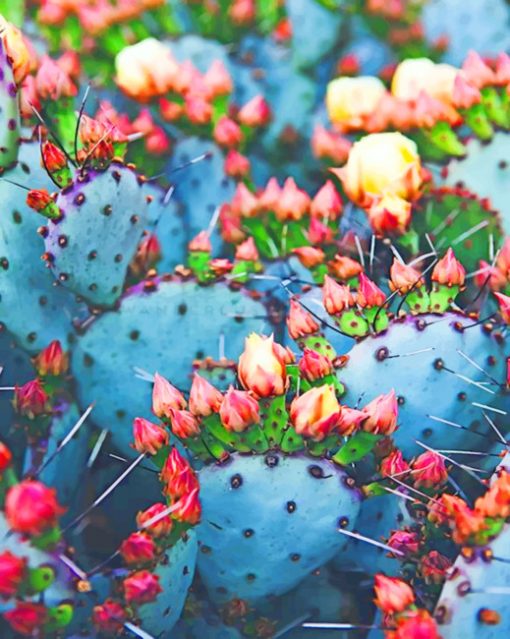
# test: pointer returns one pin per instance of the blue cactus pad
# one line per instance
(104, 214)
(9, 116)
(268, 521)
(175, 577)
(437, 381)
(16, 369)
(34, 307)
(161, 331)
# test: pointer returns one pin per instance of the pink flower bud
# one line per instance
(204, 398)
(449, 270)
(381, 415)
(315, 413)
(270, 196)
(434, 567)
(477, 72)
(52, 360)
(330, 146)
(309, 256)
(141, 587)
(12, 573)
(350, 419)
(165, 398)
(236, 165)
(184, 424)
(491, 276)
(299, 321)
(51, 82)
(327, 204)
(260, 369)
(198, 110)
(5, 457)
(465, 95)
(319, 233)
(230, 224)
(255, 113)
(392, 595)
(31, 507)
(420, 625)
(54, 158)
(218, 79)
(201, 243)
(293, 202)
(247, 251)
(70, 64)
(138, 548)
(344, 268)
(27, 618)
(147, 254)
(314, 366)
(239, 410)
(31, 400)
(242, 12)
(504, 306)
(157, 142)
(189, 509)
(369, 294)
(149, 437)
(227, 133)
(162, 527)
(220, 266)
(244, 203)
(429, 470)
(39, 199)
(404, 278)
(503, 261)
(405, 542)
(336, 298)
(109, 617)
(170, 111)
(394, 464)
(503, 69)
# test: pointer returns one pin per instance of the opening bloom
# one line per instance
(315, 413)
(260, 368)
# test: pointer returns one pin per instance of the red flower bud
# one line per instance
(255, 113)
(299, 321)
(12, 573)
(189, 509)
(31, 399)
(350, 419)
(319, 233)
(404, 278)
(227, 133)
(27, 618)
(268, 199)
(165, 398)
(162, 527)
(239, 410)
(344, 268)
(38, 199)
(336, 298)
(138, 548)
(314, 366)
(201, 243)
(52, 82)
(369, 294)
(504, 306)
(141, 587)
(149, 437)
(236, 165)
(31, 507)
(393, 464)
(449, 270)
(429, 470)
(5, 457)
(315, 413)
(327, 204)
(293, 203)
(420, 625)
(204, 398)
(434, 567)
(184, 424)
(309, 256)
(381, 415)
(54, 159)
(392, 595)
(247, 251)
(405, 542)
(261, 367)
(52, 360)
(109, 617)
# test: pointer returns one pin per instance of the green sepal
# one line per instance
(375, 489)
(357, 447)
(243, 269)
(38, 579)
(51, 211)
(274, 418)
(444, 138)
(418, 300)
(265, 244)
(442, 297)
(377, 318)
(292, 442)
(252, 440)
(494, 107)
(319, 344)
(352, 323)
(59, 617)
(319, 272)
(198, 262)
(268, 14)
(477, 120)
(220, 107)
(492, 530)
(319, 449)
(330, 380)
(47, 539)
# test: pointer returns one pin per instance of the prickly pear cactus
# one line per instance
(9, 121)
(91, 245)
(182, 311)
(246, 500)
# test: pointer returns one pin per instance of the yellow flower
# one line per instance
(421, 74)
(16, 49)
(379, 165)
(350, 101)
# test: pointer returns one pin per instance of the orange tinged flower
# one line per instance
(315, 413)
(429, 470)
(204, 398)
(239, 410)
(309, 256)
(314, 366)
(336, 297)
(404, 278)
(299, 321)
(381, 415)
(149, 437)
(449, 270)
(165, 398)
(260, 369)
(52, 360)
(392, 595)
